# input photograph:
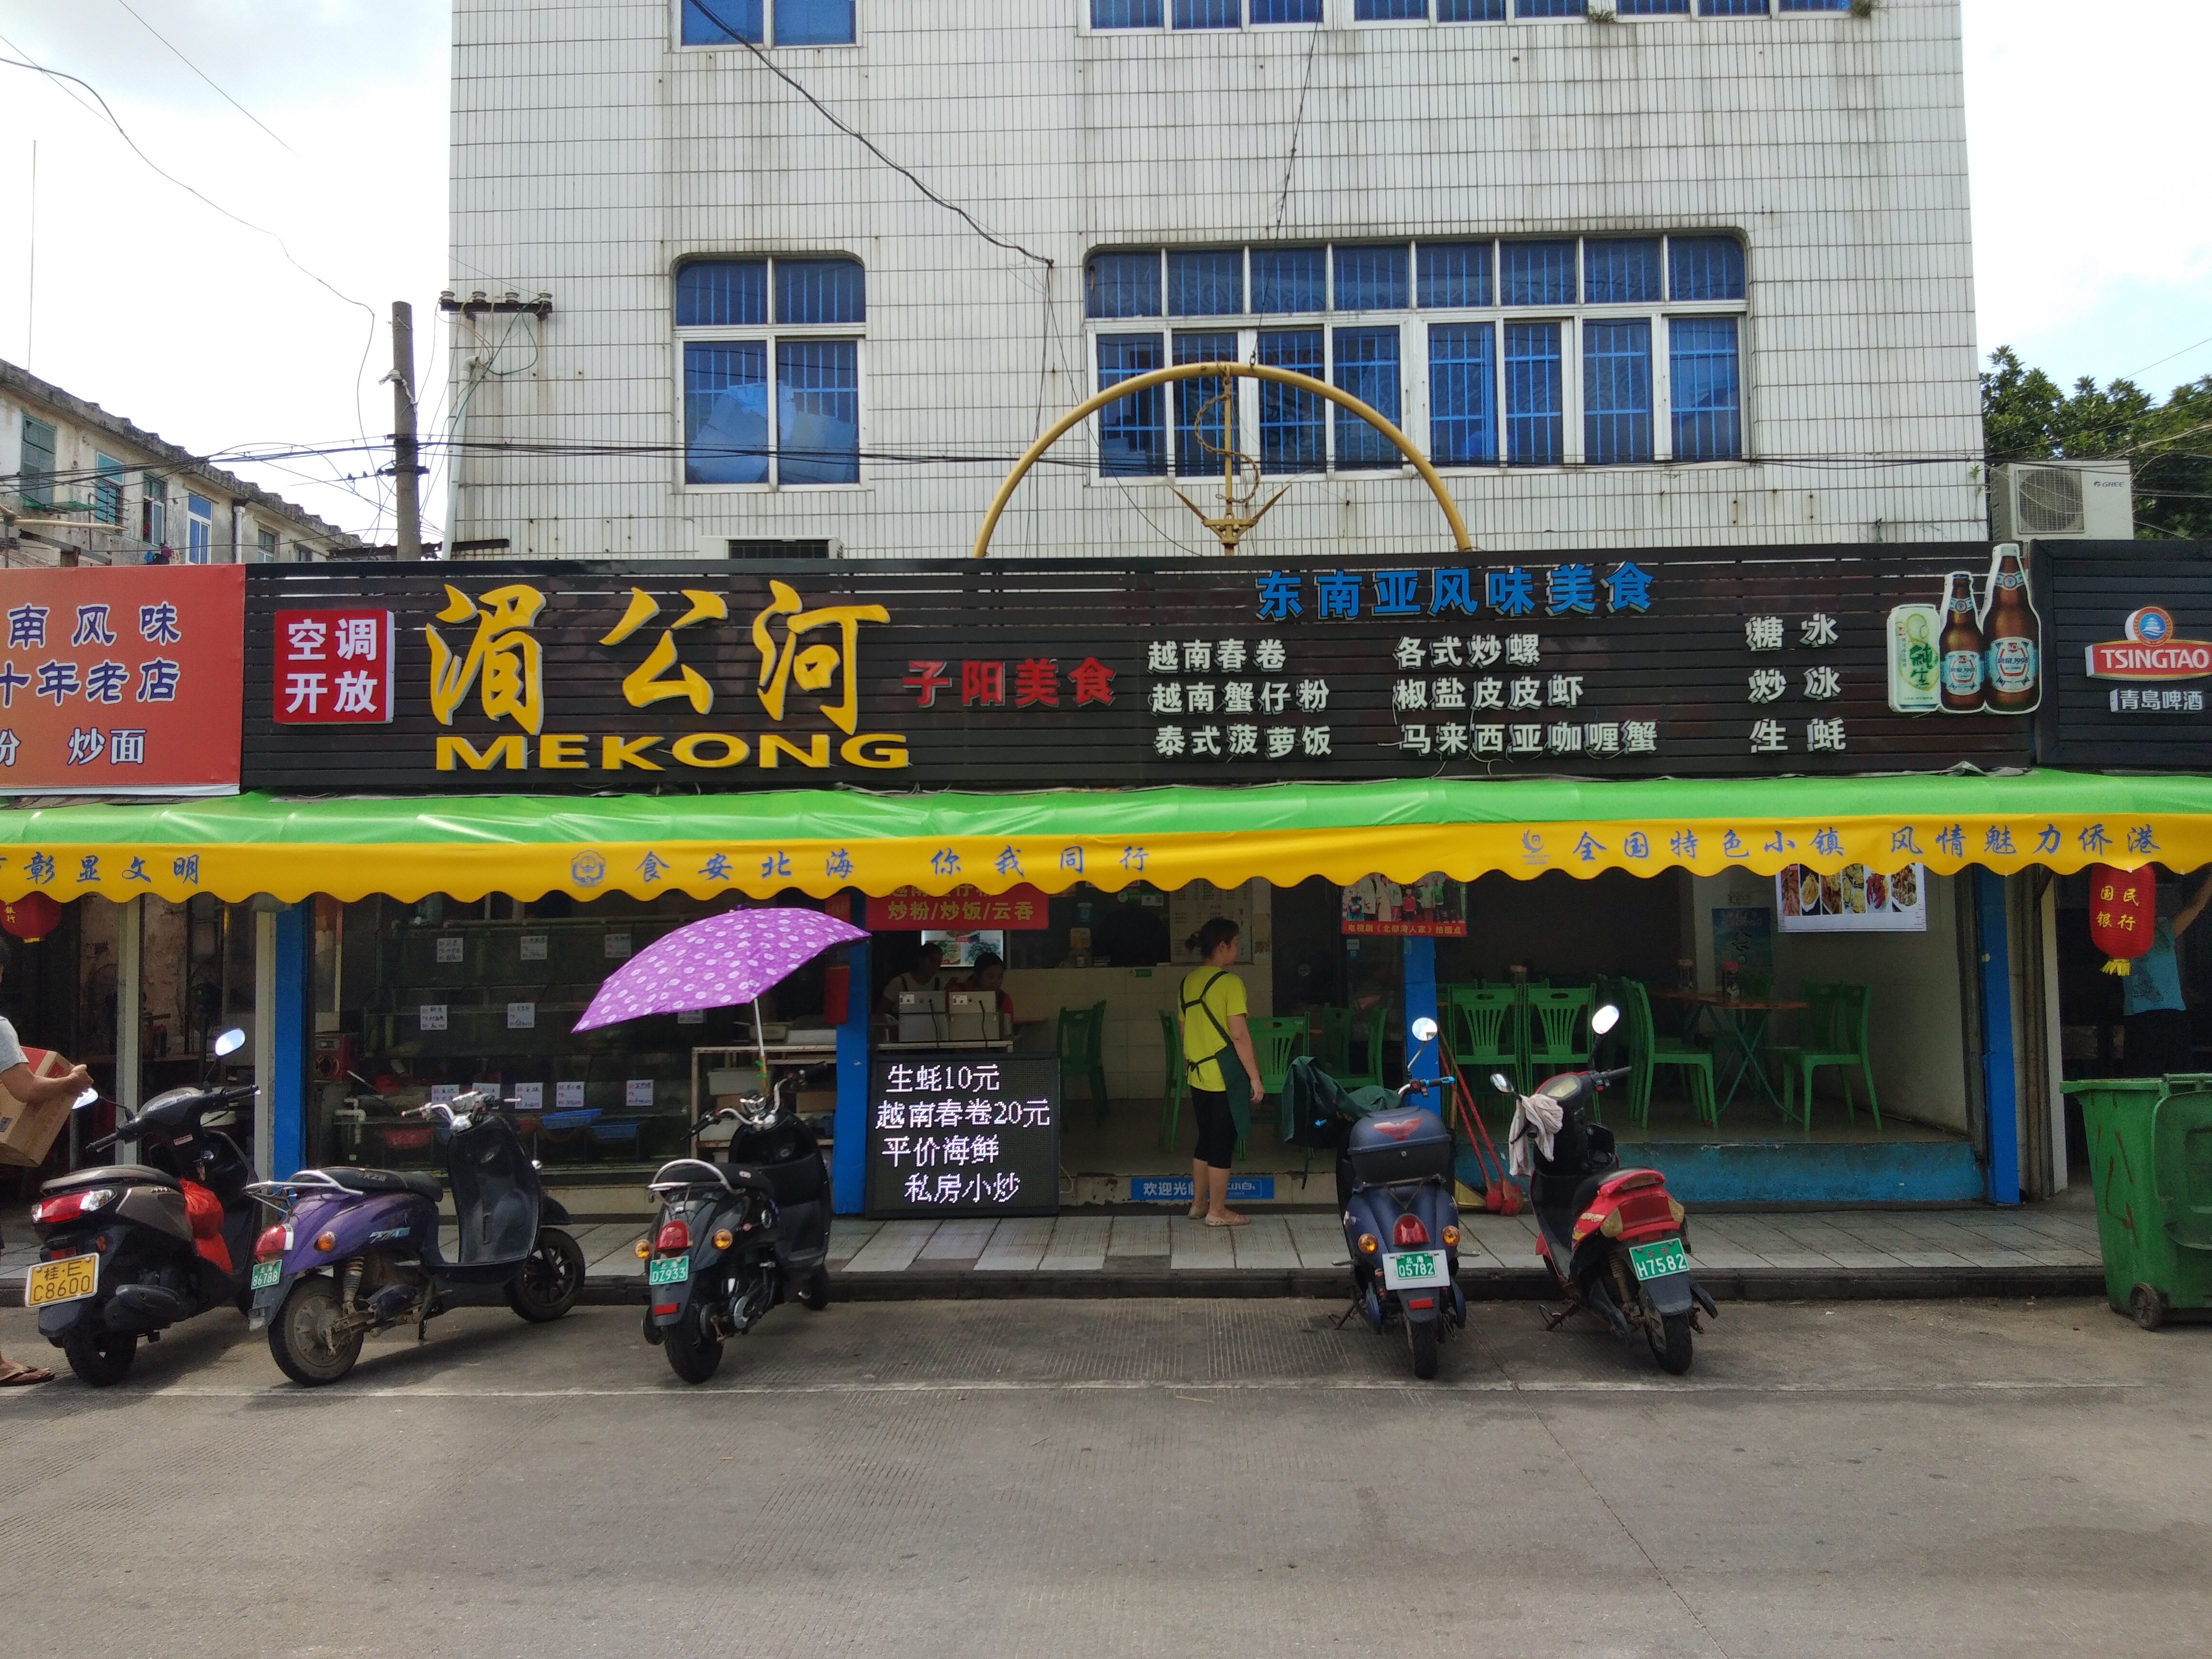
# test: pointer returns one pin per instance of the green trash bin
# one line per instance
(2150, 1156)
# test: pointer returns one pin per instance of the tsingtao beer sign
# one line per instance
(1979, 652)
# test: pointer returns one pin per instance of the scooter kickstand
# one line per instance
(1554, 1321)
(1344, 1317)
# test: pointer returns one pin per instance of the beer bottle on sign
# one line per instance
(1962, 646)
(2015, 638)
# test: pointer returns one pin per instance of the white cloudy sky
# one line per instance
(2093, 223)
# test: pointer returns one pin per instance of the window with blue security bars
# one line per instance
(1621, 271)
(1470, 11)
(1705, 268)
(1616, 391)
(1127, 14)
(738, 320)
(814, 22)
(1371, 278)
(1454, 274)
(1122, 285)
(1205, 282)
(1535, 400)
(1390, 11)
(796, 23)
(1204, 408)
(1814, 5)
(1731, 7)
(107, 489)
(1462, 394)
(1653, 8)
(1208, 13)
(1708, 388)
(1550, 8)
(723, 22)
(1293, 435)
(1289, 279)
(1286, 11)
(1132, 430)
(1367, 368)
(1538, 273)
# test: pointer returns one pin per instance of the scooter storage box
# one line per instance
(1403, 1146)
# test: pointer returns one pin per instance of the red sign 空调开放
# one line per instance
(333, 667)
(2122, 914)
(124, 681)
(1019, 908)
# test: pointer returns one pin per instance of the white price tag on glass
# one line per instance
(529, 1096)
(618, 944)
(488, 1090)
(451, 947)
(692, 1016)
(521, 1016)
(432, 1016)
(638, 1092)
(568, 1096)
(533, 947)
(443, 1092)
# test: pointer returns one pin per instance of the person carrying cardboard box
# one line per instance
(33, 1092)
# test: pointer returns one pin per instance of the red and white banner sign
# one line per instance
(2150, 651)
(334, 667)
(1019, 907)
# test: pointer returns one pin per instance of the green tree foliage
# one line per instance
(2026, 417)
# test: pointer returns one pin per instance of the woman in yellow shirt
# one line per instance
(1213, 1009)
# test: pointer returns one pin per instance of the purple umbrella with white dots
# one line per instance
(719, 963)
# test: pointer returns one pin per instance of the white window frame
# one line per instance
(770, 333)
(199, 532)
(768, 41)
(1166, 25)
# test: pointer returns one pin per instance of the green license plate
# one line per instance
(668, 1270)
(1409, 1269)
(266, 1273)
(1658, 1260)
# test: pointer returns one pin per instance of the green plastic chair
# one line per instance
(1275, 1044)
(1081, 1045)
(1557, 1027)
(1370, 1074)
(1328, 1039)
(1835, 1036)
(1174, 1083)
(1649, 1051)
(1484, 1025)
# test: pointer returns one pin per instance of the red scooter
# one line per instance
(1616, 1240)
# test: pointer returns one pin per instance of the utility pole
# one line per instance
(406, 475)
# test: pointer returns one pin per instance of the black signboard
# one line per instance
(517, 678)
(963, 1135)
(2130, 669)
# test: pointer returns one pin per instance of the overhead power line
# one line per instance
(203, 74)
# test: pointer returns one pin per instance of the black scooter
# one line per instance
(128, 1249)
(735, 1237)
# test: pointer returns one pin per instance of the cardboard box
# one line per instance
(28, 1132)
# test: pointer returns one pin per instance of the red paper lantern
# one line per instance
(31, 917)
(2122, 914)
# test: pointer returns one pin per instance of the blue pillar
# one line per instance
(288, 1115)
(848, 1161)
(2002, 1101)
(1420, 959)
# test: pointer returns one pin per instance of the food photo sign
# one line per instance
(1855, 899)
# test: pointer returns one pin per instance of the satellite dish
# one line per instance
(229, 1043)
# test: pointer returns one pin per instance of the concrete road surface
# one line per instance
(1171, 1477)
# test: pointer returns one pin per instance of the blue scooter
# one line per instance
(1394, 1184)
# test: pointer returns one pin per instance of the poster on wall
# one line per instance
(955, 1135)
(1191, 907)
(1435, 907)
(1853, 900)
(1743, 935)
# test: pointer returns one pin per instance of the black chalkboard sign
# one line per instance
(963, 1135)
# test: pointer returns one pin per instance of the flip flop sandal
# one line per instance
(1241, 1221)
(23, 1377)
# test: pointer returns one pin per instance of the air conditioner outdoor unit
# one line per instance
(2062, 501)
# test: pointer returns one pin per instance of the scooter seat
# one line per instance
(108, 1175)
(388, 1181)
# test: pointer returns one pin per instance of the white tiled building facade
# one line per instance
(1707, 280)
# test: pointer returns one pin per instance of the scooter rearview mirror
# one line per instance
(1424, 1030)
(1501, 1083)
(1605, 1019)
(229, 1043)
(89, 1097)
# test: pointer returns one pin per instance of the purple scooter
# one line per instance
(355, 1251)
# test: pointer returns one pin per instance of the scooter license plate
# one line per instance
(1410, 1269)
(1658, 1260)
(72, 1279)
(668, 1270)
(266, 1273)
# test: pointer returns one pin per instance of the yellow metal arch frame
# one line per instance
(1121, 389)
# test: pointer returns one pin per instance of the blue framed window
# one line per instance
(722, 294)
(726, 412)
(1708, 388)
(821, 291)
(1654, 7)
(1731, 7)
(1621, 272)
(1132, 430)
(1814, 5)
(1122, 285)
(1452, 274)
(1127, 14)
(1207, 282)
(1550, 8)
(1390, 11)
(1208, 13)
(1535, 400)
(722, 22)
(107, 489)
(1286, 11)
(1287, 281)
(1705, 268)
(1470, 11)
(199, 530)
(1616, 391)
(1201, 411)
(1372, 278)
(1293, 436)
(1462, 394)
(813, 22)
(1538, 273)
(818, 411)
(1367, 368)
